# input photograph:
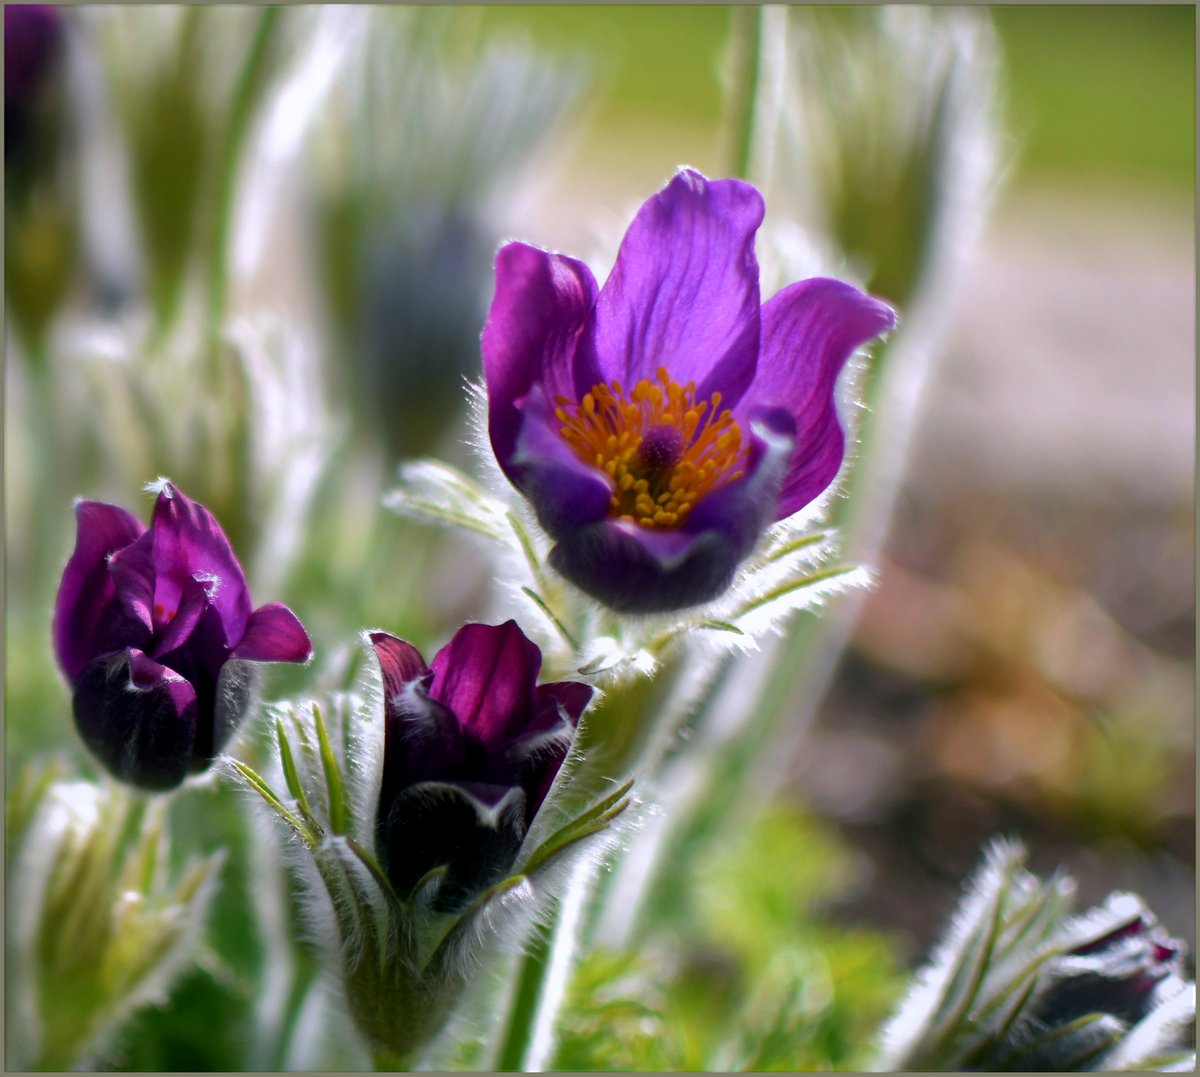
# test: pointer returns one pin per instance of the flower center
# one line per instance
(663, 449)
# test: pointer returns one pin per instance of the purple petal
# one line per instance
(33, 42)
(133, 573)
(274, 634)
(193, 601)
(809, 331)
(422, 738)
(87, 590)
(633, 569)
(399, 661)
(564, 491)
(486, 675)
(684, 290)
(536, 759)
(541, 303)
(188, 544)
(568, 698)
(138, 718)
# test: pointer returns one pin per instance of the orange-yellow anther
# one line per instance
(662, 448)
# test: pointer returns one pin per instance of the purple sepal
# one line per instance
(138, 718)
(473, 730)
(809, 332)
(541, 303)
(174, 595)
(684, 290)
(274, 634)
(83, 609)
(486, 676)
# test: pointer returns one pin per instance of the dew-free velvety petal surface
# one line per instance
(274, 634)
(138, 718)
(541, 303)
(684, 290)
(189, 542)
(86, 589)
(565, 492)
(486, 675)
(471, 747)
(809, 332)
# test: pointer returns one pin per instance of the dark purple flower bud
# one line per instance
(472, 744)
(1120, 973)
(660, 424)
(155, 631)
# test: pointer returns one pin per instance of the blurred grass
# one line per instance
(1096, 93)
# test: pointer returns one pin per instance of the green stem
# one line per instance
(245, 96)
(385, 1060)
(746, 40)
(543, 979)
(531, 976)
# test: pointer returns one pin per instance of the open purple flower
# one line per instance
(659, 425)
(472, 744)
(154, 629)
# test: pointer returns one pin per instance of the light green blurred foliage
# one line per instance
(99, 924)
(745, 972)
(1102, 93)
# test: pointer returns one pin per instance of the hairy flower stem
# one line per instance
(745, 34)
(544, 975)
(245, 95)
(530, 972)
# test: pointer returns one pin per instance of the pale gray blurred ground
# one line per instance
(1072, 366)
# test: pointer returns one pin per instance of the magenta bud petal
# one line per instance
(138, 718)
(86, 593)
(189, 543)
(567, 698)
(400, 662)
(486, 675)
(274, 634)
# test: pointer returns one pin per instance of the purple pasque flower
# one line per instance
(472, 744)
(660, 424)
(153, 628)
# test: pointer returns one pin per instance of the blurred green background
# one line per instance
(1095, 92)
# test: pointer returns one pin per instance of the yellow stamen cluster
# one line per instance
(662, 449)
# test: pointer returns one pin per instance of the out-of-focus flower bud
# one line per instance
(1017, 985)
(155, 630)
(96, 927)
